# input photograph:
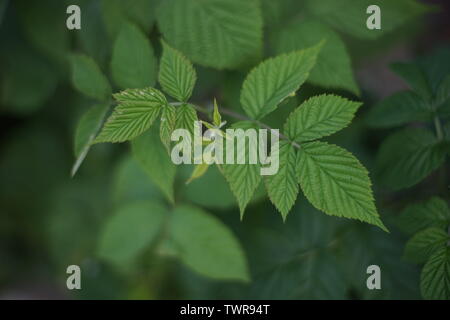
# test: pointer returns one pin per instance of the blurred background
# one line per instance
(49, 220)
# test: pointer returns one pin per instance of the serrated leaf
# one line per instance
(245, 178)
(87, 128)
(320, 116)
(215, 33)
(424, 243)
(206, 245)
(199, 170)
(136, 112)
(130, 230)
(333, 68)
(435, 277)
(168, 118)
(407, 157)
(282, 187)
(185, 117)
(177, 76)
(88, 79)
(133, 63)
(148, 150)
(275, 79)
(418, 216)
(350, 16)
(335, 182)
(400, 108)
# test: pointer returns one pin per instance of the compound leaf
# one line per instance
(435, 277)
(425, 243)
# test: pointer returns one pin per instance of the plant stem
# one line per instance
(239, 116)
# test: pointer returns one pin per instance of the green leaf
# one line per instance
(350, 16)
(217, 118)
(424, 243)
(207, 246)
(133, 63)
(185, 117)
(282, 187)
(168, 118)
(275, 79)
(136, 112)
(335, 182)
(244, 178)
(418, 216)
(400, 108)
(130, 231)
(413, 74)
(407, 157)
(199, 171)
(149, 152)
(116, 13)
(176, 74)
(215, 33)
(333, 68)
(87, 129)
(320, 116)
(88, 79)
(435, 277)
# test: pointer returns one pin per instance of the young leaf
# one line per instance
(217, 118)
(333, 68)
(149, 152)
(400, 108)
(176, 74)
(418, 216)
(168, 118)
(207, 246)
(435, 277)
(282, 187)
(88, 79)
(274, 79)
(424, 243)
(88, 127)
(130, 230)
(320, 116)
(217, 33)
(242, 178)
(137, 110)
(334, 181)
(407, 157)
(185, 118)
(199, 170)
(133, 63)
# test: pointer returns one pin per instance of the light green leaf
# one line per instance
(242, 178)
(150, 153)
(217, 118)
(333, 68)
(168, 118)
(424, 243)
(320, 116)
(176, 74)
(435, 277)
(130, 231)
(199, 170)
(334, 181)
(133, 63)
(400, 108)
(207, 246)
(282, 187)
(88, 127)
(418, 216)
(407, 157)
(215, 33)
(185, 117)
(88, 79)
(350, 16)
(275, 79)
(137, 110)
